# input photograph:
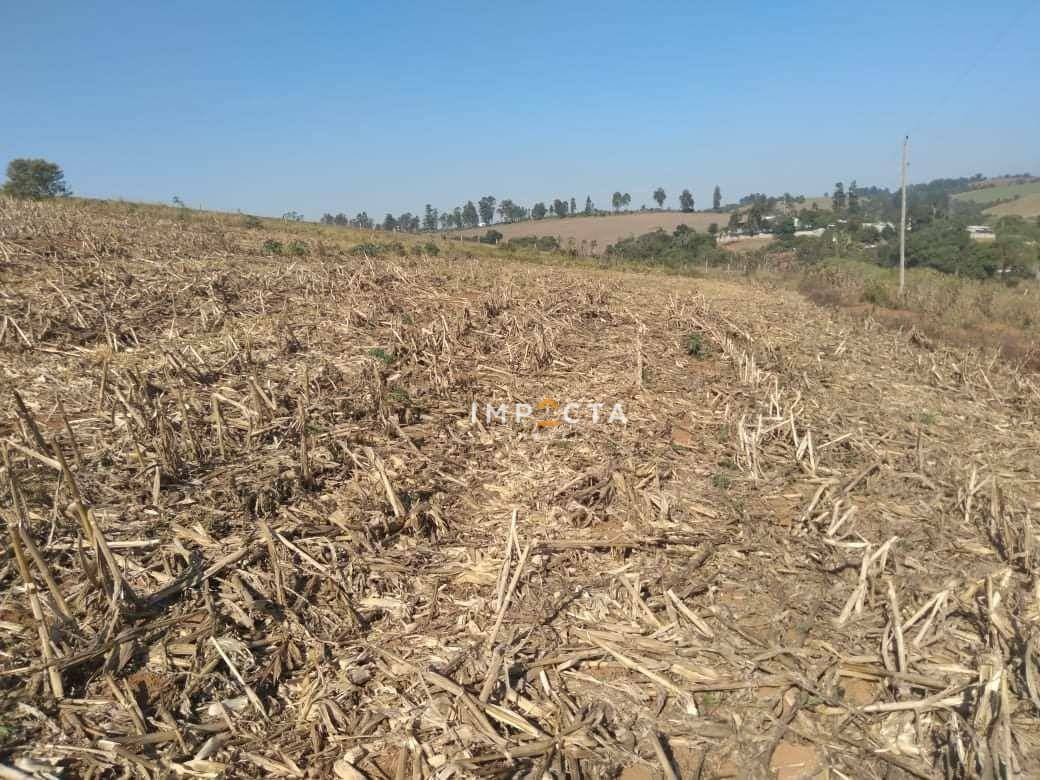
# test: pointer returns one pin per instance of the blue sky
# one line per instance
(266, 107)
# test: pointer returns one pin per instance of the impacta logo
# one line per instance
(549, 413)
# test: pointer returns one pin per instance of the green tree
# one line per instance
(389, 223)
(686, 201)
(853, 199)
(574, 206)
(35, 178)
(470, 217)
(429, 218)
(538, 210)
(626, 199)
(660, 197)
(716, 199)
(838, 199)
(559, 207)
(487, 209)
(616, 201)
(589, 208)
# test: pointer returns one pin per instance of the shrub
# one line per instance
(696, 347)
(251, 222)
(370, 249)
(296, 248)
(684, 247)
(272, 247)
(542, 243)
(381, 354)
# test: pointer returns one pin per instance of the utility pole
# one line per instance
(902, 222)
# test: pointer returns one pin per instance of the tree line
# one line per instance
(484, 211)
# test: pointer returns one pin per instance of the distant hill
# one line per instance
(1024, 206)
(1001, 190)
(604, 230)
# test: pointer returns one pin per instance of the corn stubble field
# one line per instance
(251, 531)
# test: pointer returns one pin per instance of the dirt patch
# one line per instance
(583, 231)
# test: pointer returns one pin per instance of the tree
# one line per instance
(327, 219)
(686, 201)
(35, 179)
(470, 218)
(660, 197)
(574, 206)
(363, 221)
(389, 223)
(430, 218)
(713, 229)
(538, 210)
(716, 199)
(487, 209)
(626, 199)
(589, 208)
(838, 199)
(616, 201)
(853, 198)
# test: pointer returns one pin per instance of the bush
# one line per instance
(296, 249)
(272, 247)
(251, 222)
(685, 247)
(541, 243)
(695, 346)
(371, 249)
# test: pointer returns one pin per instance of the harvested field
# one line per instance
(984, 195)
(253, 531)
(603, 230)
(1025, 206)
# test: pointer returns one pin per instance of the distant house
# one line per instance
(879, 226)
(981, 232)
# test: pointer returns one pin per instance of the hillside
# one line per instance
(1025, 195)
(1024, 206)
(603, 230)
(257, 529)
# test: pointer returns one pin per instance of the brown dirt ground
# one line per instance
(270, 541)
(604, 230)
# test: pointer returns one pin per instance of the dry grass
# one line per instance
(604, 230)
(1026, 206)
(985, 314)
(253, 532)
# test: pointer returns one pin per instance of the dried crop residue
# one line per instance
(252, 530)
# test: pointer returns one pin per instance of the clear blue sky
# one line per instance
(385, 106)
